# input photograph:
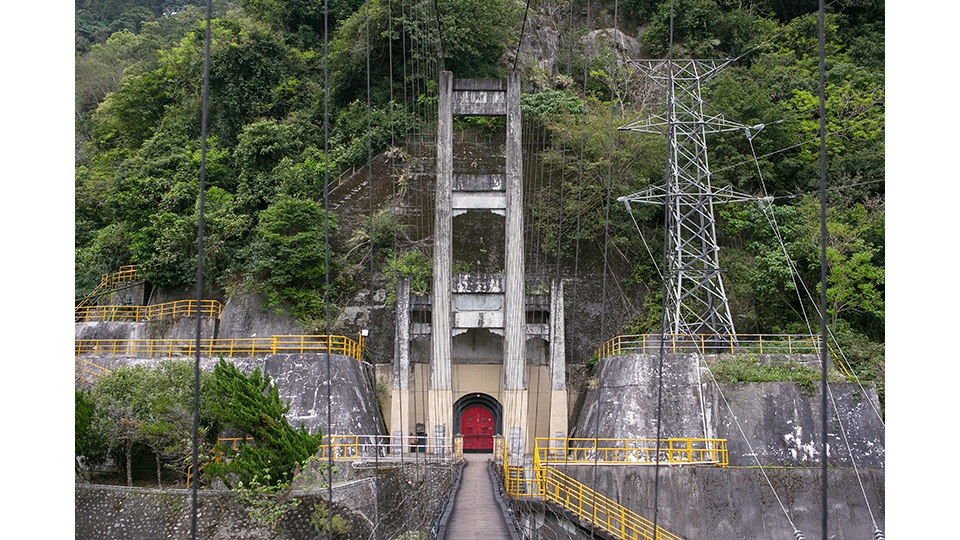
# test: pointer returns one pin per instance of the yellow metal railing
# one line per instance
(228, 347)
(590, 506)
(543, 480)
(88, 371)
(168, 310)
(711, 344)
(677, 451)
(109, 281)
(124, 274)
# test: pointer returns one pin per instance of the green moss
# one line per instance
(748, 368)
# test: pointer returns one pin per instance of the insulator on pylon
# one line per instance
(878, 534)
(799, 535)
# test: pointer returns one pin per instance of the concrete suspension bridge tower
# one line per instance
(695, 302)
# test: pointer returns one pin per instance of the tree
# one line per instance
(289, 256)
(120, 413)
(250, 406)
(855, 279)
(87, 442)
(139, 407)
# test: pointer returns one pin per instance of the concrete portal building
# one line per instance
(480, 357)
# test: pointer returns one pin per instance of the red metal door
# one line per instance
(476, 425)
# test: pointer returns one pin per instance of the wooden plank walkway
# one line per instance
(476, 512)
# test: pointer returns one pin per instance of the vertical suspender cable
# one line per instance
(666, 243)
(326, 262)
(576, 249)
(606, 242)
(823, 277)
(523, 27)
(370, 325)
(200, 204)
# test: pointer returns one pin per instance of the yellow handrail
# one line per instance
(87, 371)
(228, 347)
(711, 343)
(610, 451)
(714, 343)
(544, 481)
(125, 273)
(109, 281)
(167, 310)
(588, 505)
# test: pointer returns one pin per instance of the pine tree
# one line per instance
(251, 406)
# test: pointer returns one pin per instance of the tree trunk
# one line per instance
(159, 484)
(129, 464)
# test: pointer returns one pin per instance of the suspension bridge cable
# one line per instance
(663, 310)
(772, 220)
(606, 242)
(823, 267)
(853, 460)
(643, 239)
(370, 237)
(523, 27)
(200, 212)
(394, 205)
(801, 286)
(576, 251)
(436, 11)
(326, 245)
(747, 442)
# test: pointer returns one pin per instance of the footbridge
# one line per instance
(475, 505)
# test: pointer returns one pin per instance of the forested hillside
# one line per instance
(279, 83)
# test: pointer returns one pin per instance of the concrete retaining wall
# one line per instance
(733, 503)
(303, 383)
(781, 421)
(399, 499)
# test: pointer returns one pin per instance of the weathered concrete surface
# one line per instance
(111, 330)
(781, 421)
(303, 383)
(624, 400)
(783, 425)
(735, 503)
(399, 500)
(244, 316)
(170, 328)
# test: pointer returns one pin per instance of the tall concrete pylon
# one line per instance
(479, 97)
(480, 340)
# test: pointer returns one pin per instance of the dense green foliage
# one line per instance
(138, 410)
(285, 119)
(250, 406)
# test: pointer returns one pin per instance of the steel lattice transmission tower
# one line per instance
(695, 301)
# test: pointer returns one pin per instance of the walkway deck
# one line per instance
(476, 512)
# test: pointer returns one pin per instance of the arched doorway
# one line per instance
(476, 425)
(478, 418)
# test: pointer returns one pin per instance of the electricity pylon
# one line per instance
(695, 302)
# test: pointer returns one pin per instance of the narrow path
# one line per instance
(476, 513)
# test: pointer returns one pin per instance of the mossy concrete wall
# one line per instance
(303, 381)
(398, 500)
(735, 503)
(775, 423)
